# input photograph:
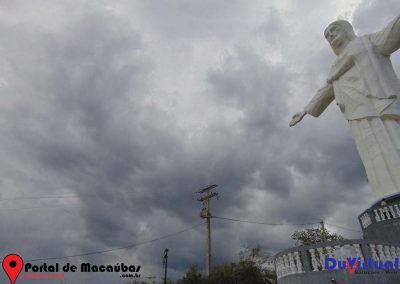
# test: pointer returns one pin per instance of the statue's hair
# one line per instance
(343, 24)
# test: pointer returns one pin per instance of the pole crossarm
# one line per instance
(207, 188)
(210, 195)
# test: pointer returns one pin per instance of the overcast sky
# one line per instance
(124, 109)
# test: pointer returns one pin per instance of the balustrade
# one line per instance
(288, 264)
(291, 262)
(383, 213)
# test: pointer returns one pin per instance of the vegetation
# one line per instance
(249, 270)
(192, 276)
(313, 236)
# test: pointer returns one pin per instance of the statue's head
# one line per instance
(339, 34)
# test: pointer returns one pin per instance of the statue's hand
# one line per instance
(297, 118)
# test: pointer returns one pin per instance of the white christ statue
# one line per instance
(364, 85)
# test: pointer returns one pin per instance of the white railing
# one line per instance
(383, 213)
(365, 220)
(387, 213)
(339, 252)
(288, 264)
(306, 259)
(384, 252)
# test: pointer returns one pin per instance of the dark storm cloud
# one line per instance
(254, 89)
(85, 114)
(68, 129)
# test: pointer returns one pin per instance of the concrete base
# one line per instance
(381, 231)
(341, 277)
(388, 228)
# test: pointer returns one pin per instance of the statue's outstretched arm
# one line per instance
(387, 40)
(317, 105)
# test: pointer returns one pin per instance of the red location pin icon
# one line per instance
(12, 265)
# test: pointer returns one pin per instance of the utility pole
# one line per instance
(206, 214)
(323, 231)
(165, 265)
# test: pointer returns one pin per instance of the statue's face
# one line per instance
(339, 34)
(336, 35)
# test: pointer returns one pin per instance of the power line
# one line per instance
(263, 223)
(344, 228)
(61, 207)
(119, 248)
(44, 197)
(284, 224)
(60, 197)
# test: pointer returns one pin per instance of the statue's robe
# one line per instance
(364, 85)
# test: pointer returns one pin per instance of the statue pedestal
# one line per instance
(381, 222)
(318, 263)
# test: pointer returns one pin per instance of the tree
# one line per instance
(222, 274)
(249, 270)
(313, 236)
(252, 268)
(192, 276)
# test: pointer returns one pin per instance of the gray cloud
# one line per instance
(129, 108)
